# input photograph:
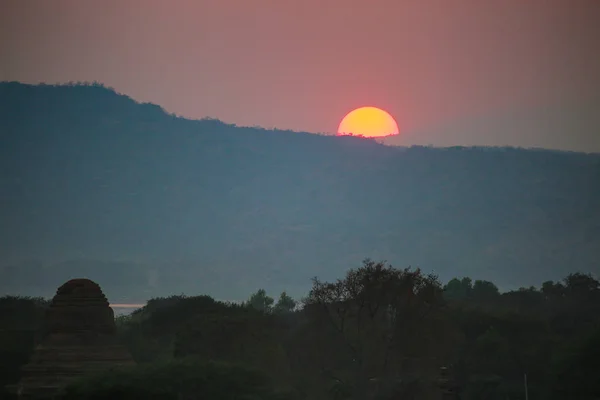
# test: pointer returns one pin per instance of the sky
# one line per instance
(461, 72)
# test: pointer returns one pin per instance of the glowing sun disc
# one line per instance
(368, 122)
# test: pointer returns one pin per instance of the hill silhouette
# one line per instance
(147, 203)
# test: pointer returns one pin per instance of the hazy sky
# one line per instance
(496, 72)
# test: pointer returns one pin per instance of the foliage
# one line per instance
(260, 301)
(577, 368)
(21, 327)
(150, 332)
(378, 333)
(181, 379)
(243, 335)
(529, 332)
(484, 291)
(457, 289)
(285, 304)
(376, 316)
(465, 289)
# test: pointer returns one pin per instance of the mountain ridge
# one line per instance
(91, 174)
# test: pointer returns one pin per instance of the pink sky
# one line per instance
(461, 72)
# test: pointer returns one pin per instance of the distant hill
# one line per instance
(93, 183)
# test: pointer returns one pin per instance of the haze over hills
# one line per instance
(95, 184)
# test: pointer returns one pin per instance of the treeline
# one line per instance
(377, 333)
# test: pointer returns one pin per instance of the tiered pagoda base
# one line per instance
(80, 341)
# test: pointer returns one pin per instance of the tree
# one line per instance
(485, 290)
(377, 320)
(581, 284)
(180, 379)
(21, 328)
(579, 306)
(285, 304)
(242, 336)
(490, 362)
(150, 332)
(576, 368)
(260, 301)
(553, 290)
(458, 289)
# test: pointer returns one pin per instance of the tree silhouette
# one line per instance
(375, 313)
(260, 301)
(484, 290)
(285, 304)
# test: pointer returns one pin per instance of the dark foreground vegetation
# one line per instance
(378, 333)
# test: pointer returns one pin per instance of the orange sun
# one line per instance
(368, 122)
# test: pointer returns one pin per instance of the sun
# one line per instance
(368, 122)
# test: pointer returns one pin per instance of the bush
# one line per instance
(179, 379)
